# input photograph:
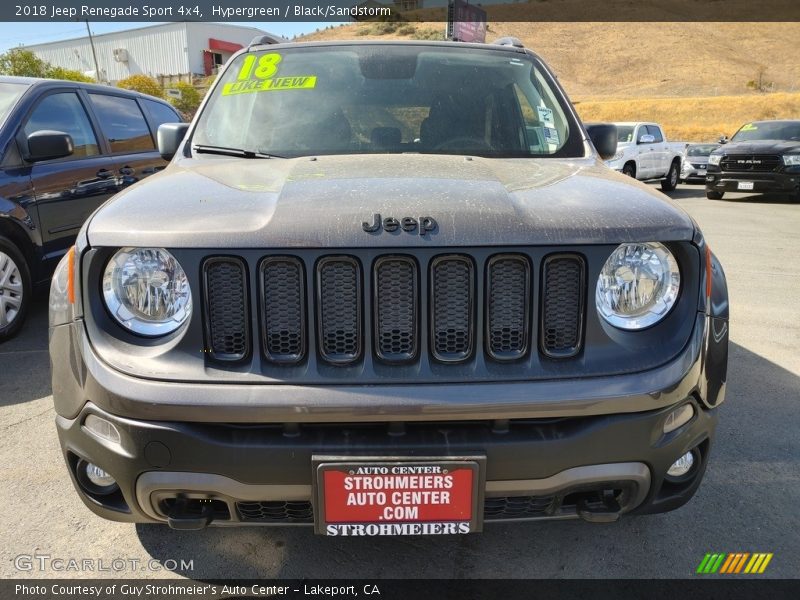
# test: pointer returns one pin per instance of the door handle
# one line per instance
(126, 170)
(104, 173)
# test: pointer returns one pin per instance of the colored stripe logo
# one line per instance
(734, 563)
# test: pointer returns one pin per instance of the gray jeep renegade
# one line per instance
(387, 289)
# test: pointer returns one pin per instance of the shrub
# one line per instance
(189, 100)
(141, 83)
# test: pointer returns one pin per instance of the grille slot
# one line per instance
(563, 295)
(396, 308)
(517, 507)
(508, 298)
(452, 299)
(283, 309)
(339, 308)
(750, 162)
(225, 291)
(276, 511)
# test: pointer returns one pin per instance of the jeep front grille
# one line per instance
(339, 308)
(452, 299)
(395, 309)
(562, 305)
(750, 162)
(283, 307)
(227, 315)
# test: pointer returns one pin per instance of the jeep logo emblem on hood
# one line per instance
(407, 224)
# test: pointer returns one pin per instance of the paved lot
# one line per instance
(748, 501)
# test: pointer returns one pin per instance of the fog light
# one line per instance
(682, 466)
(101, 428)
(678, 417)
(95, 480)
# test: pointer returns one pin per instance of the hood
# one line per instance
(222, 202)
(759, 147)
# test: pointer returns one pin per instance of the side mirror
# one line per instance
(47, 144)
(723, 139)
(170, 136)
(646, 139)
(604, 138)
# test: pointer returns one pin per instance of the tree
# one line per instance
(189, 100)
(141, 83)
(68, 74)
(24, 63)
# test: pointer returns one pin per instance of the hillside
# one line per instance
(632, 60)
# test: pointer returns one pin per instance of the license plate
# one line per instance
(398, 496)
(745, 185)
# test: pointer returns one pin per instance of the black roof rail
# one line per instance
(262, 40)
(509, 41)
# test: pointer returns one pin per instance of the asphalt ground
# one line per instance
(747, 502)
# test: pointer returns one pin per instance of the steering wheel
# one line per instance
(464, 143)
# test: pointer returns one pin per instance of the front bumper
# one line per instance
(546, 466)
(247, 450)
(782, 182)
(693, 175)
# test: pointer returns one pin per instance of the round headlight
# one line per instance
(638, 285)
(146, 291)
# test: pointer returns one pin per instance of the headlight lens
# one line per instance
(713, 159)
(618, 155)
(638, 285)
(791, 160)
(146, 291)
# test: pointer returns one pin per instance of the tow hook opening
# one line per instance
(193, 513)
(598, 506)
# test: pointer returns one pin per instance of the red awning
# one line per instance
(214, 44)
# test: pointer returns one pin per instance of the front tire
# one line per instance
(670, 182)
(712, 195)
(629, 169)
(15, 289)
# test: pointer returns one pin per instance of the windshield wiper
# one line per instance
(224, 151)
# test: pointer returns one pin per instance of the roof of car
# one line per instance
(40, 81)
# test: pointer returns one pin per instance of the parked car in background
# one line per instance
(66, 148)
(763, 156)
(695, 162)
(644, 153)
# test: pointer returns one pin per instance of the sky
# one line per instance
(15, 34)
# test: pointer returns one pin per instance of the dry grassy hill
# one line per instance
(697, 79)
(629, 60)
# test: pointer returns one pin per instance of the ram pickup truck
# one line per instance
(644, 153)
(762, 157)
(387, 288)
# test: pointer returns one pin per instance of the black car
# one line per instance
(66, 148)
(394, 291)
(763, 157)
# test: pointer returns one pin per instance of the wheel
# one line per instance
(629, 169)
(670, 182)
(15, 289)
(712, 195)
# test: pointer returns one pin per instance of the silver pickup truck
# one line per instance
(644, 153)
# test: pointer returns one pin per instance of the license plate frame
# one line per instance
(322, 464)
(746, 186)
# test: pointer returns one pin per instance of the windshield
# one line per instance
(768, 130)
(9, 94)
(625, 133)
(387, 99)
(701, 149)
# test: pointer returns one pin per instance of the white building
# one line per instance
(170, 51)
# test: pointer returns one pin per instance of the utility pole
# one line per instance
(94, 54)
